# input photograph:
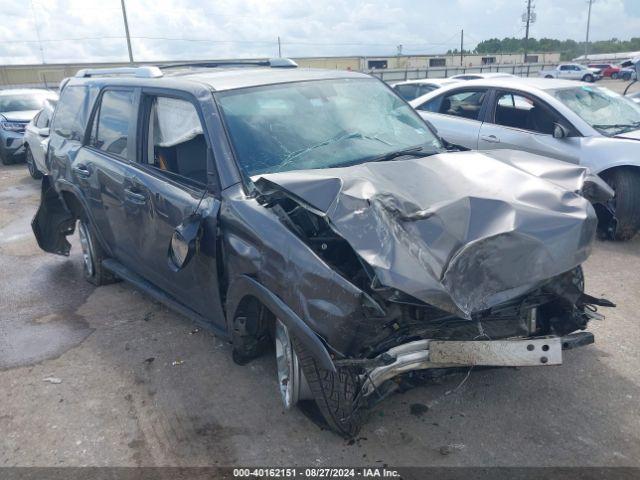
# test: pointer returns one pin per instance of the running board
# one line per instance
(156, 293)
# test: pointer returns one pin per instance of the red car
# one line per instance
(607, 69)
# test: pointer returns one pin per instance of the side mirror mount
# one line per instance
(184, 242)
(559, 131)
(43, 132)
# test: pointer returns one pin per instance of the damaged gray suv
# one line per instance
(313, 213)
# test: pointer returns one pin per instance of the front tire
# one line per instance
(548, 76)
(336, 394)
(626, 184)
(92, 255)
(614, 76)
(31, 165)
(588, 78)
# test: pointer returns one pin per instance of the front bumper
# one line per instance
(12, 144)
(426, 354)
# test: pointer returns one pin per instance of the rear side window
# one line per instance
(466, 104)
(407, 91)
(71, 115)
(111, 127)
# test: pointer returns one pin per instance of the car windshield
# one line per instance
(321, 124)
(22, 102)
(604, 110)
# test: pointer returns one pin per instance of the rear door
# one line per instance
(172, 176)
(519, 121)
(103, 166)
(457, 114)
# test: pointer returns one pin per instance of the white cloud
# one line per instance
(92, 30)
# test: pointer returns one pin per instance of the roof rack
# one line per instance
(140, 72)
(273, 63)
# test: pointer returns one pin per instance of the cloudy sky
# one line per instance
(92, 30)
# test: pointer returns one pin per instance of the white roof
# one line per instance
(428, 81)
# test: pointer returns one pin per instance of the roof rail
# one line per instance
(140, 72)
(273, 63)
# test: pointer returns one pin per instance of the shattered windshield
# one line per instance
(604, 110)
(321, 124)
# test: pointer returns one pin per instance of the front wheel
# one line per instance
(626, 184)
(588, 78)
(614, 76)
(548, 76)
(31, 165)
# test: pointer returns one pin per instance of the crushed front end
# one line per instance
(455, 274)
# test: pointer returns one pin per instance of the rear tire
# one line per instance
(31, 165)
(626, 183)
(4, 158)
(614, 76)
(335, 393)
(548, 76)
(92, 255)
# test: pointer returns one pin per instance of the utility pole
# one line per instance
(462, 47)
(35, 23)
(586, 44)
(528, 17)
(279, 47)
(126, 30)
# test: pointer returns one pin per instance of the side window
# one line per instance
(110, 131)
(564, 67)
(407, 91)
(424, 89)
(466, 104)
(176, 143)
(518, 111)
(432, 105)
(71, 114)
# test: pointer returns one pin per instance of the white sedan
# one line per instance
(36, 140)
(574, 122)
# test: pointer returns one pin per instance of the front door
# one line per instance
(522, 122)
(171, 177)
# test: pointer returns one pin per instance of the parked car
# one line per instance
(628, 73)
(316, 212)
(607, 70)
(577, 123)
(416, 88)
(36, 140)
(572, 71)
(481, 75)
(17, 108)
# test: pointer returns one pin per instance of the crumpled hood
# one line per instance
(19, 116)
(462, 231)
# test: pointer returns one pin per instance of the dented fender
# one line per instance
(244, 285)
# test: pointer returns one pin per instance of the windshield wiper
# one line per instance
(413, 151)
(618, 125)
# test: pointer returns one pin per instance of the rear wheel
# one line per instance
(31, 165)
(92, 255)
(626, 184)
(614, 76)
(548, 76)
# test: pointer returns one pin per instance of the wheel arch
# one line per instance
(244, 291)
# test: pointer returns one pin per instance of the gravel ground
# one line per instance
(106, 377)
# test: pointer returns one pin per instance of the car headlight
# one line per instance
(12, 126)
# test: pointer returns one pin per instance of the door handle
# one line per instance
(490, 138)
(82, 171)
(135, 197)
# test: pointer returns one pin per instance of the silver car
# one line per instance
(36, 140)
(575, 122)
(17, 108)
